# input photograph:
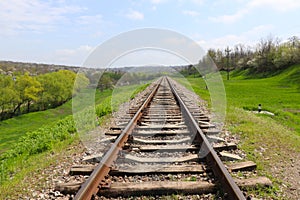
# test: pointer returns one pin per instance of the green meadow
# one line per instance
(270, 141)
(279, 94)
(12, 129)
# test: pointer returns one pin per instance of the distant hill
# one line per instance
(15, 68)
(10, 67)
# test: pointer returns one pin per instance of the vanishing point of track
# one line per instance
(162, 107)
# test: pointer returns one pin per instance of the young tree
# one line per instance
(105, 82)
(81, 82)
(57, 88)
(265, 55)
(294, 46)
(28, 89)
(8, 95)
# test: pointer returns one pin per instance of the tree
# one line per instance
(37, 92)
(105, 82)
(294, 46)
(28, 89)
(265, 54)
(8, 95)
(67, 78)
(81, 82)
(227, 50)
(269, 55)
(57, 88)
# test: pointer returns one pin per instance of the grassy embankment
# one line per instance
(12, 129)
(267, 140)
(50, 133)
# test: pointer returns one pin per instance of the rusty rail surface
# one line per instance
(93, 183)
(227, 183)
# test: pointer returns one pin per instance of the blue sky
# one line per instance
(66, 31)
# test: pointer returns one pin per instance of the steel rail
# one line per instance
(227, 183)
(92, 184)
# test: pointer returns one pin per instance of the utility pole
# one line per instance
(227, 50)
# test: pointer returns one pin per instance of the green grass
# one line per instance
(279, 94)
(257, 132)
(278, 135)
(28, 170)
(284, 102)
(36, 146)
(12, 129)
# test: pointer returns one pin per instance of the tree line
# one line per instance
(24, 93)
(268, 55)
(109, 79)
(21, 94)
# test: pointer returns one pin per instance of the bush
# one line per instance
(42, 139)
(104, 108)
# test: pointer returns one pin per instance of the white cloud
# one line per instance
(148, 57)
(32, 15)
(70, 52)
(250, 37)
(135, 15)
(277, 5)
(260, 30)
(198, 2)
(194, 2)
(158, 1)
(191, 13)
(71, 56)
(90, 19)
(230, 18)
(92, 24)
(227, 40)
(225, 2)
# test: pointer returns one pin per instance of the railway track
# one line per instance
(164, 146)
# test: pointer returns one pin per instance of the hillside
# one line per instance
(13, 129)
(290, 76)
(279, 93)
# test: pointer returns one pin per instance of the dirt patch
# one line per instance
(295, 111)
(274, 147)
(287, 169)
